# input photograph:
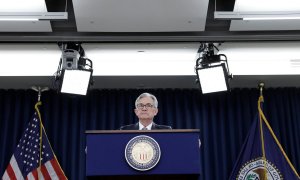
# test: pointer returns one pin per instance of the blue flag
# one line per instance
(262, 157)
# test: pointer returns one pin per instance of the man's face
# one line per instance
(145, 109)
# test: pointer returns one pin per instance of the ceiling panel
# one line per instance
(35, 59)
(140, 15)
(39, 26)
(262, 58)
(265, 6)
(238, 25)
(146, 21)
(142, 59)
(24, 6)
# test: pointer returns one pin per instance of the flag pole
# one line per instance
(261, 100)
(262, 118)
(39, 89)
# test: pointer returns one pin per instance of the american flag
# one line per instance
(26, 163)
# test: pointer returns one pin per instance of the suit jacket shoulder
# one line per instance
(157, 126)
(130, 127)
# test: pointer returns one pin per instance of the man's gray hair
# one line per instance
(147, 95)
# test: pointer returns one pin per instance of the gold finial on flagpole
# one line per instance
(39, 89)
(261, 86)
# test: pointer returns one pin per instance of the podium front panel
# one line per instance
(106, 153)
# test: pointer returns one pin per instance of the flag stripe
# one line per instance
(10, 172)
(50, 170)
(57, 168)
(35, 174)
(44, 172)
(30, 176)
(40, 174)
(15, 167)
(5, 176)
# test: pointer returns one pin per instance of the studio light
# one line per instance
(257, 15)
(32, 16)
(74, 73)
(212, 70)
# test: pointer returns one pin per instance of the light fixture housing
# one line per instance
(212, 70)
(74, 74)
(75, 81)
(32, 16)
(257, 15)
(213, 78)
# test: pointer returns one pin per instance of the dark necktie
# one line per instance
(144, 128)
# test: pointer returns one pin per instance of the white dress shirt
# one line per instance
(142, 126)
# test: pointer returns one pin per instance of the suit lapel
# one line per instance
(153, 126)
(136, 126)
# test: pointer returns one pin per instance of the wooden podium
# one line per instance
(180, 156)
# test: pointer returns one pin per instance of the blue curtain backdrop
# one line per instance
(224, 120)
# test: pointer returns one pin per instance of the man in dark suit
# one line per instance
(145, 109)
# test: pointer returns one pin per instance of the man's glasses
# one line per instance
(141, 106)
